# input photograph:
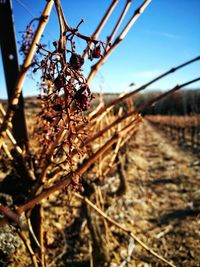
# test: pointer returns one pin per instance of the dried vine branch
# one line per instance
(118, 40)
(142, 107)
(157, 99)
(101, 24)
(123, 14)
(27, 62)
(141, 88)
(142, 244)
(136, 111)
(9, 214)
(29, 248)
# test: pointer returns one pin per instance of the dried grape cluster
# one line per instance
(65, 96)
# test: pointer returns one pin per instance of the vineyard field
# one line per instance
(161, 205)
(98, 169)
(184, 129)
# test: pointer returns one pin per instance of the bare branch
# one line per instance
(102, 23)
(96, 67)
(105, 216)
(28, 247)
(155, 100)
(62, 23)
(27, 62)
(124, 11)
(12, 139)
(141, 88)
(9, 214)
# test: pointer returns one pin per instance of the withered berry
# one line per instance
(59, 81)
(55, 44)
(76, 61)
(57, 107)
(83, 96)
(96, 52)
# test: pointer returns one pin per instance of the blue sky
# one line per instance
(166, 34)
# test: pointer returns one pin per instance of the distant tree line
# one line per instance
(184, 102)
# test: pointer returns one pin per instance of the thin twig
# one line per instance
(124, 11)
(104, 215)
(30, 228)
(41, 236)
(157, 99)
(4, 146)
(28, 247)
(90, 254)
(96, 67)
(126, 96)
(131, 247)
(101, 24)
(27, 62)
(2, 110)
(11, 215)
(108, 127)
(112, 160)
(12, 139)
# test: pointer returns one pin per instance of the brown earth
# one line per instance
(162, 205)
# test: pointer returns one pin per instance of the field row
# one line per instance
(184, 129)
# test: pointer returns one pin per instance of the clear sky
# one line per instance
(166, 35)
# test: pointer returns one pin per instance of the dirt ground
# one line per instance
(162, 205)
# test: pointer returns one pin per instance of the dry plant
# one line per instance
(77, 149)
